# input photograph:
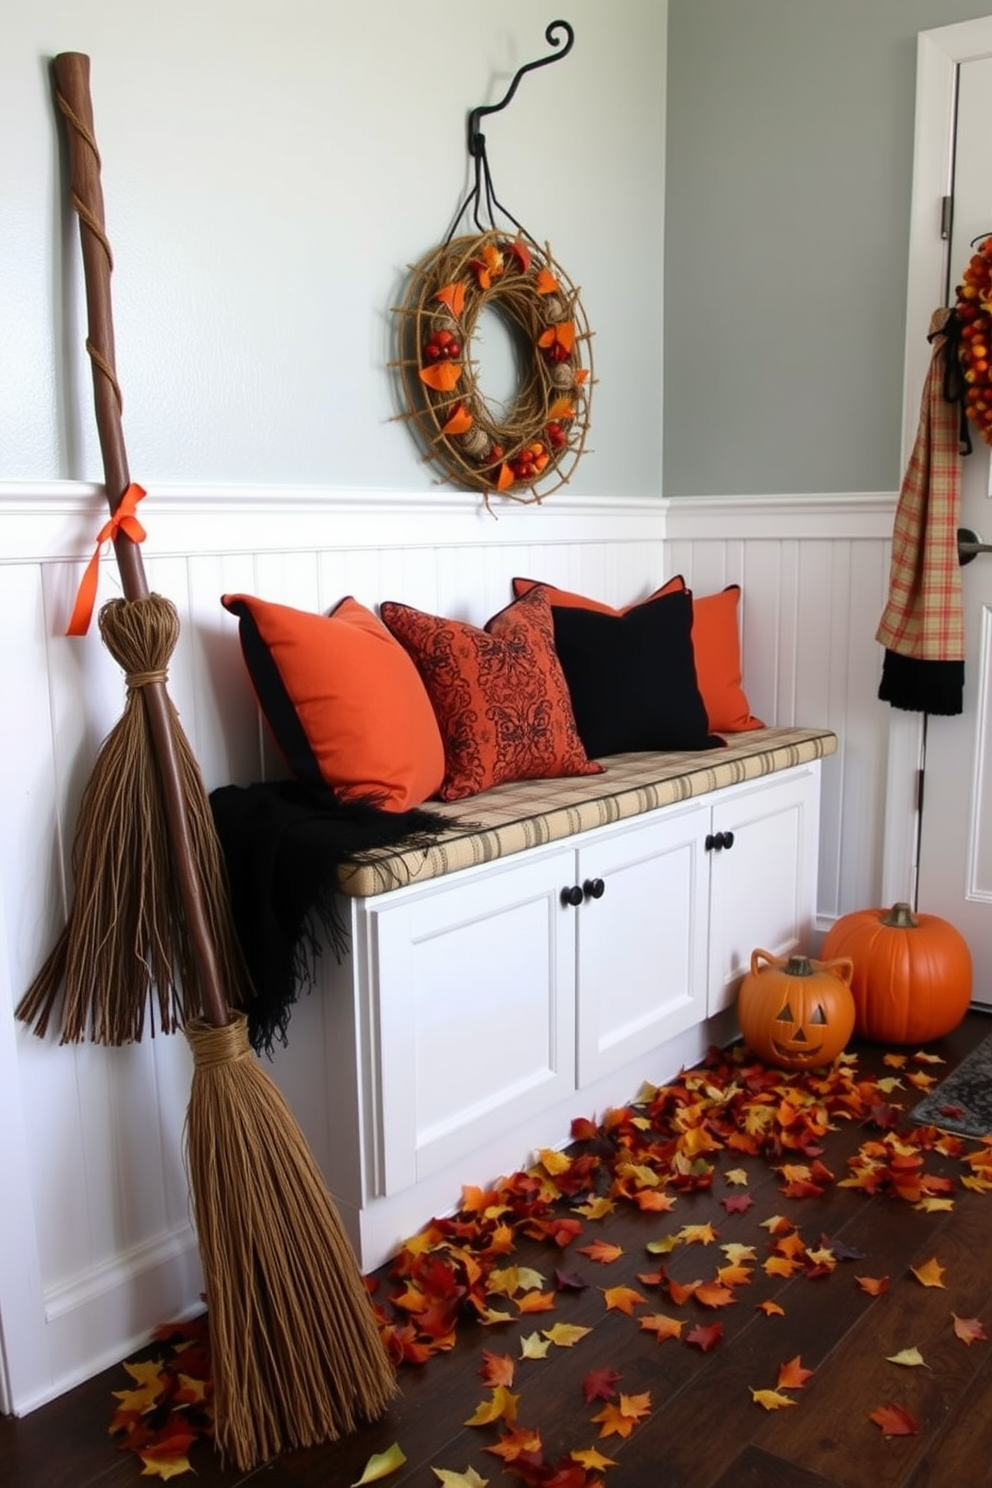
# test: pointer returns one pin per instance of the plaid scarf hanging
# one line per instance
(922, 625)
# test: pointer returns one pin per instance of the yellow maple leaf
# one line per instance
(597, 1209)
(381, 1464)
(467, 1479)
(930, 1274)
(781, 1266)
(736, 1175)
(664, 1246)
(622, 1299)
(163, 1467)
(698, 1234)
(565, 1335)
(553, 1161)
(533, 1346)
(592, 1459)
(930, 1205)
(736, 1252)
(619, 1417)
(771, 1399)
(501, 1406)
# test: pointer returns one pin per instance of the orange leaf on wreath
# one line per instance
(562, 408)
(453, 295)
(505, 478)
(488, 267)
(459, 422)
(559, 335)
(521, 253)
(546, 282)
(581, 375)
(442, 376)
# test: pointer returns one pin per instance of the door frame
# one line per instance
(940, 52)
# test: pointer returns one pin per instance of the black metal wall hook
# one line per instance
(476, 141)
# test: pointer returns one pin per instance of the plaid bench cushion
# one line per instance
(511, 818)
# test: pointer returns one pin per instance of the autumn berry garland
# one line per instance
(542, 434)
(974, 313)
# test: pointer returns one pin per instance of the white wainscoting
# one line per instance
(95, 1240)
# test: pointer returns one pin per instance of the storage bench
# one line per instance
(562, 943)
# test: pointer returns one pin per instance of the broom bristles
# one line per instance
(297, 1356)
(125, 947)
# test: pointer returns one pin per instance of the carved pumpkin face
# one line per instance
(796, 1013)
(801, 1024)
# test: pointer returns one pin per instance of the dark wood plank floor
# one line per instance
(704, 1429)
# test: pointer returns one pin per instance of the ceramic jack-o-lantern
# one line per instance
(796, 1013)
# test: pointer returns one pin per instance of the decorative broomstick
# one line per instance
(296, 1355)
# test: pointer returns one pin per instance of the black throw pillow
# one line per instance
(632, 677)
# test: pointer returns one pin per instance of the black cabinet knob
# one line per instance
(716, 842)
(594, 888)
(572, 895)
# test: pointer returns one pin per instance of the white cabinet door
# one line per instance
(642, 943)
(474, 999)
(763, 886)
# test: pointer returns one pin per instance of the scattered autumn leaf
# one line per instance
(601, 1251)
(163, 1467)
(533, 1346)
(894, 1420)
(497, 1369)
(381, 1464)
(907, 1356)
(770, 1308)
(501, 1406)
(592, 1459)
(875, 1286)
(930, 1274)
(771, 1399)
(565, 1335)
(622, 1299)
(969, 1330)
(662, 1326)
(467, 1479)
(705, 1337)
(618, 1418)
(792, 1376)
(515, 1443)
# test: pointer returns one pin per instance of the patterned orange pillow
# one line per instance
(499, 695)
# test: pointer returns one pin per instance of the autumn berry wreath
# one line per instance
(974, 314)
(543, 432)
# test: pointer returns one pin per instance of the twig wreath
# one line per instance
(543, 431)
(973, 310)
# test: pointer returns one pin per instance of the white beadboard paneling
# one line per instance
(105, 1126)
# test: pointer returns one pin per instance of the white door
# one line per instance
(955, 851)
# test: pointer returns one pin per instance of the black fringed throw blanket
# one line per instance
(283, 844)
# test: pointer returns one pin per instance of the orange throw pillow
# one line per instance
(499, 695)
(343, 699)
(716, 643)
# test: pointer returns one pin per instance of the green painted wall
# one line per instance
(789, 170)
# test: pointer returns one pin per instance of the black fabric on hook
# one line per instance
(954, 386)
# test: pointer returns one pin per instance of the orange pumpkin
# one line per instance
(912, 973)
(796, 1013)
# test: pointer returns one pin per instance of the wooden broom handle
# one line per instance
(72, 97)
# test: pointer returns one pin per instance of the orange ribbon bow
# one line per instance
(123, 520)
